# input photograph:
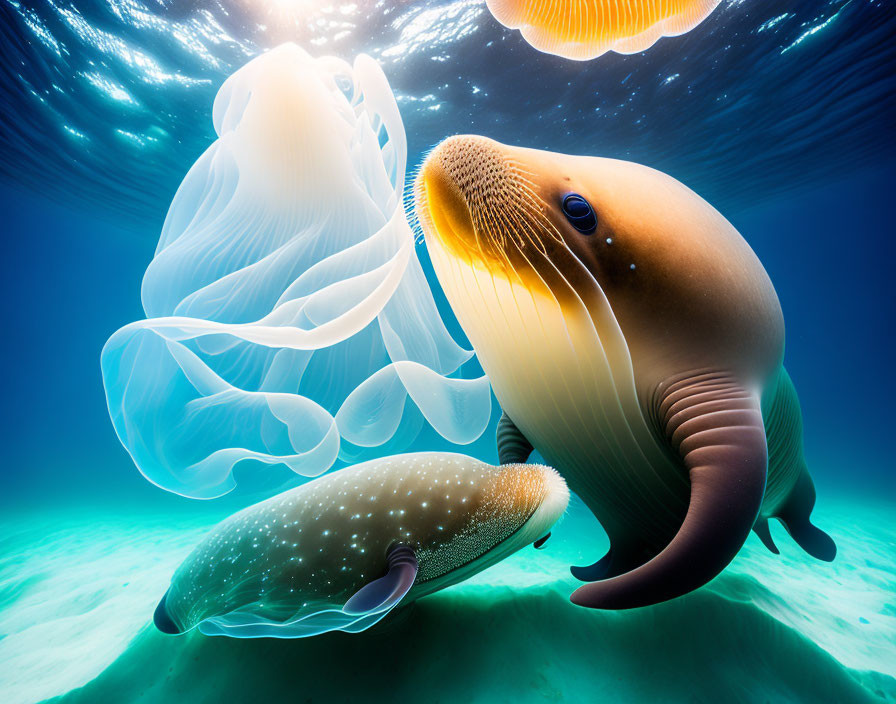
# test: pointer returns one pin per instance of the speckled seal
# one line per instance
(339, 552)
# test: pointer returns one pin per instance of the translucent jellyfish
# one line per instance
(289, 320)
(585, 29)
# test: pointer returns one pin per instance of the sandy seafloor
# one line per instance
(77, 592)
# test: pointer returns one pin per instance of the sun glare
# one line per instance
(316, 22)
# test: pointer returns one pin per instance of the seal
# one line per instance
(634, 339)
(340, 552)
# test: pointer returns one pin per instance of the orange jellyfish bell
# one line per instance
(585, 29)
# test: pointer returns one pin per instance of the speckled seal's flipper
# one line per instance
(716, 427)
(760, 528)
(513, 447)
(794, 514)
(384, 593)
(366, 607)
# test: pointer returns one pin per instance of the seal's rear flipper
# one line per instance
(513, 447)
(760, 528)
(787, 467)
(384, 593)
(813, 540)
(794, 514)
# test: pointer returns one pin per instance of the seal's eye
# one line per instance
(579, 213)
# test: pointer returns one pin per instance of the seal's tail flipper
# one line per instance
(813, 540)
(790, 487)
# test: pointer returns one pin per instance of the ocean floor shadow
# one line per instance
(503, 645)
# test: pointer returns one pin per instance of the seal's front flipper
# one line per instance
(513, 447)
(794, 514)
(384, 593)
(760, 528)
(715, 425)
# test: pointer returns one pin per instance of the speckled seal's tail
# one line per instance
(163, 621)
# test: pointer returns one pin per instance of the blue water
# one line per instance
(763, 98)
(780, 115)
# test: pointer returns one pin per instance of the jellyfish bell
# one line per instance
(289, 322)
(585, 29)
(340, 552)
(296, 176)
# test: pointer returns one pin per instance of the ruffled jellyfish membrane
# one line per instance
(585, 29)
(289, 320)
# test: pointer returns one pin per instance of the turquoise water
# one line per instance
(780, 117)
(79, 589)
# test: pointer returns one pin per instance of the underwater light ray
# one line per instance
(287, 307)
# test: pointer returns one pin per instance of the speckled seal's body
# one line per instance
(287, 566)
(636, 343)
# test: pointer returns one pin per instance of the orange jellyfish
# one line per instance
(585, 29)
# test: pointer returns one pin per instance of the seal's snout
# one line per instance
(466, 167)
(465, 191)
(442, 203)
(163, 620)
(536, 491)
